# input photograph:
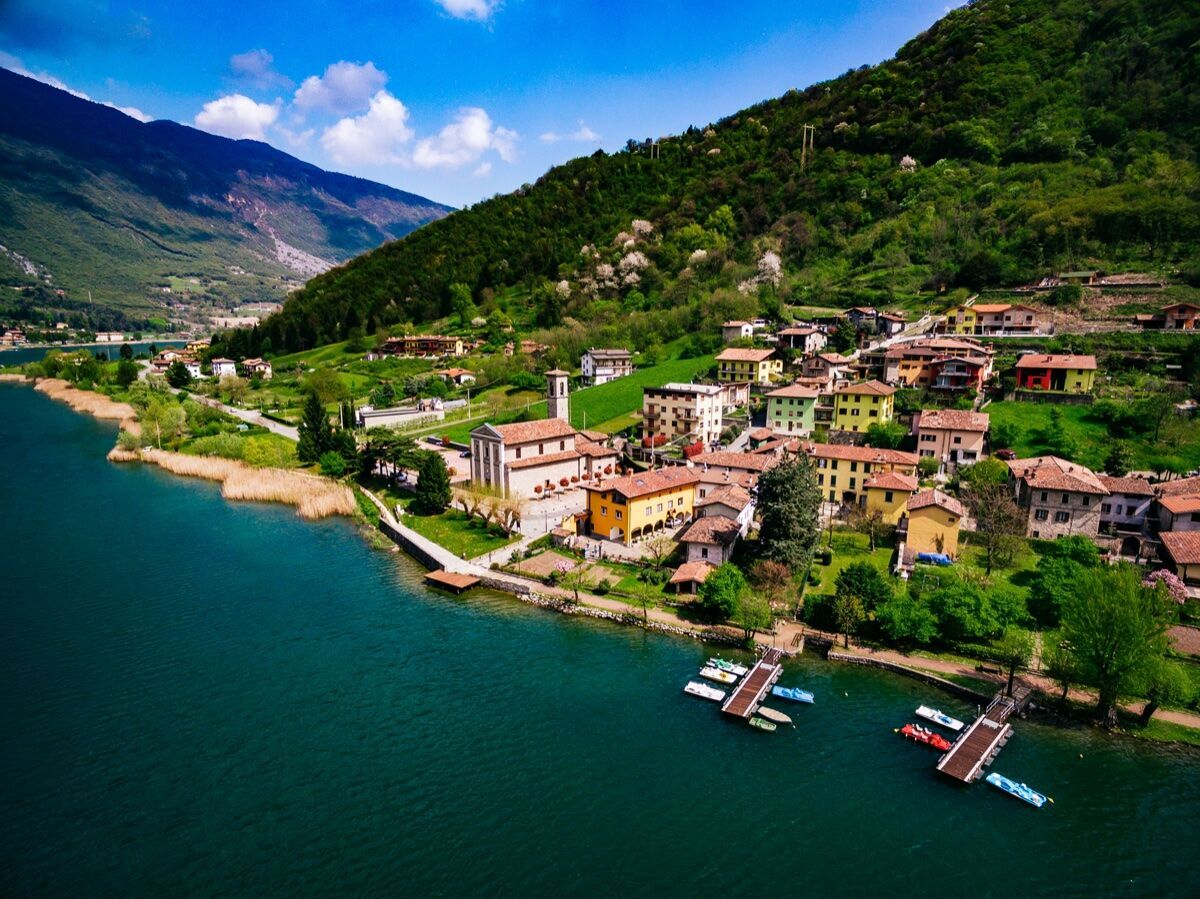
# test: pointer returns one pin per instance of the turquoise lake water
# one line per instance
(21, 355)
(205, 698)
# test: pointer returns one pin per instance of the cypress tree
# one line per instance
(790, 501)
(315, 433)
(433, 485)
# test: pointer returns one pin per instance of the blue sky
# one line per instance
(452, 99)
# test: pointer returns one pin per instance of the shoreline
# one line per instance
(403, 539)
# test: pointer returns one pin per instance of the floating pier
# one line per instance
(448, 580)
(981, 742)
(755, 686)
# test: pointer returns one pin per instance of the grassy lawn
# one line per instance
(849, 548)
(1091, 437)
(331, 352)
(1167, 731)
(463, 536)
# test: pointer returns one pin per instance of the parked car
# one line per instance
(465, 454)
(1006, 454)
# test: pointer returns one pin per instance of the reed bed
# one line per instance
(116, 454)
(313, 497)
(11, 376)
(95, 404)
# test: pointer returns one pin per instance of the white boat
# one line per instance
(937, 716)
(704, 691)
(721, 677)
(772, 715)
(726, 665)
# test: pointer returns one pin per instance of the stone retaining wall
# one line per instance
(413, 549)
(947, 685)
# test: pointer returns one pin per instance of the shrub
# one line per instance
(332, 465)
(262, 451)
(602, 588)
(227, 446)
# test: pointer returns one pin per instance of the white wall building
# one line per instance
(599, 366)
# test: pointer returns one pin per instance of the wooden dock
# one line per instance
(448, 580)
(748, 695)
(981, 742)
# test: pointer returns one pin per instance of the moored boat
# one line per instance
(721, 677)
(925, 735)
(704, 691)
(937, 716)
(762, 723)
(1020, 790)
(795, 694)
(772, 715)
(725, 665)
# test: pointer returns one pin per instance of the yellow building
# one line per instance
(843, 471)
(626, 509)
(857, 407)
(746, 365)
(933, 522)
(888, 494)
(961, 320)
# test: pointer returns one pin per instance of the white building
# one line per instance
(808, 340)
(1127, 504)
(600, 366)
(683, 410)
(223, 367)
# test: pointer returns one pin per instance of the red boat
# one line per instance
(926, 736)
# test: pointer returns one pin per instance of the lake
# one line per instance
(207, 698)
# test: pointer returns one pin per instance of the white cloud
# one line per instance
(344, 88)
(478, 10)
(257, 68)
(14, 64)
(237, 116)
(464, 140)
(375, 138)
(583, 134)
(482, 170)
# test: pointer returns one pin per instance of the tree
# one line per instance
(1004, 434)
(332, 464)
(178, 376)
(315, 435)
(328, 386)
(1119, 460)
(573, 578)
(432, 494)
(773, 578)
(1058, 442)
(1116, 628)
(928, 466)
(1166, 682)
(885, 434)
(906, 619)
(864, 581)
(986, 472)
(999, 522)
(162, 418)
(645, 597)
(848, 612)
(870, 523)
(1014, 650)
(1058, 660)
(790, 501)
(660, 547)
(1058, 575)
(753, 613)
(722, 590)
(126, 351)
(234, 387)
(461, 304)
(127, 372)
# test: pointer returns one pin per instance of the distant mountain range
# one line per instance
(140, 215)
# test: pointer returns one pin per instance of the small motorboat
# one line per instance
(721, 677)
(795, 694)
(726, 665)
(704, 691)
(924, 735)
(937, 716)
(772, 715)
(1021, 791)
(762, 723)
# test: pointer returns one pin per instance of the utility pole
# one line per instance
(808, 137)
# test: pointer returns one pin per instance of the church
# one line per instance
(532, 458)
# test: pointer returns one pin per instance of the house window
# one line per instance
(958, 440)
(518, 452)
(660, 507)
(1062, 517)
(854, 466)
(1045, 495)
(541, 448)
(562, 445)
(887, 497)
(704, 552)
(620, 515)
(1040, 515)
(1066, 498)
(1087, 501)
(833, 480)
(649, 511)
(603, 510)
(1036, 534)
(1105, 508)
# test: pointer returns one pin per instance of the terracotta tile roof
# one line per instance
(1053, 473)
(635, 485)
(531, 431)
(891, 480)
(990, 307)
(734, 322)
(1182, 546)
(1128, 486)
(558, 371)
(1178, 487)
(1178, 505)
(697, 571)
(711, 529)
(1039, 361)
(867, 388)
(725, 459)
(744, 479)
(594, 450)
(770, 446)
(728, 495)
(833, 358)
(545, 459)
(936, 498)
(861, 454)
(953, 420)
(738, 354)
(799, 332)
(761, 434)
(596, 353)
(595, 436)
(796, 391)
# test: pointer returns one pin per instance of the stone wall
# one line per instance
(940, 682)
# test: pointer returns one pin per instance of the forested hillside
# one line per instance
(1010, 140)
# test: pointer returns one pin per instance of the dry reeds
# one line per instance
(313, 497)
(116, 454)
(11, 376)
(95, 404)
